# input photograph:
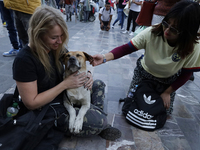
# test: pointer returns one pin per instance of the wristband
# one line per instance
(104, 58)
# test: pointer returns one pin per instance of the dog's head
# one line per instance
(75, 60)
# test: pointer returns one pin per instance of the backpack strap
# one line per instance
(104, 9)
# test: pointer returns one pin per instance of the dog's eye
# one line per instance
(68, 55)
(78, 55)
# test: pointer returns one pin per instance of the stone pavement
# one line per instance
(182, 129)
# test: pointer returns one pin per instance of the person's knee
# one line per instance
(107, 28)
(97, 84)
(102, 27)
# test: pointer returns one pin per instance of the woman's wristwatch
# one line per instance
(104, 58)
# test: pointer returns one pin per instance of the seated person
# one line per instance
(105, 16)
(38, 73)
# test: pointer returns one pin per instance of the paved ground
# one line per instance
(182, 129)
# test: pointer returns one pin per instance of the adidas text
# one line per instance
(142, 114)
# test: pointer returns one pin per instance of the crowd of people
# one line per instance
(39, 36)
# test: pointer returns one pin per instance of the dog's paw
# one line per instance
(71, 124)
(78, 125)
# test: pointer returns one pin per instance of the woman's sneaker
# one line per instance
(125, 32)
(110, 133)
(12, 52)
(132, 33)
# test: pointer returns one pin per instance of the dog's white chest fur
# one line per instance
(79, 95)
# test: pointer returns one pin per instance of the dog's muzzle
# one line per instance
(73, 64)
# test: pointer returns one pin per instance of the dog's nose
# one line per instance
(72, 59)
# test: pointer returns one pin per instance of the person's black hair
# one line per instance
(107, 2)
(187, 17)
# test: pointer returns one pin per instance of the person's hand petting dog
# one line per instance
(97, 60)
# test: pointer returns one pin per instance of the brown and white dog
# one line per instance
(76, 61)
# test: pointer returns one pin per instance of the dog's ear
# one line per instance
(62, 57)
(88, 57)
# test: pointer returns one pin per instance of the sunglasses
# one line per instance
(171, 29)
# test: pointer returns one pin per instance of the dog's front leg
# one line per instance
(79, 119)
(72, 115)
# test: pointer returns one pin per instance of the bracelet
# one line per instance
(104, 58)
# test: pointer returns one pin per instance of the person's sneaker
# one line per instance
(122, 29)
(110, 133)
(112, 26)
(132, 33)
(4, 24)
(12, 52)
(125, 32)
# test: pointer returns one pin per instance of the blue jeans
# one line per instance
(86, 15)
(21, 22)
(120, 17)
(75, 4)
(8, 18)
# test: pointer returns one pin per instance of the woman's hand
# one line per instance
(97, 60)
(75, 80)
(166, 99)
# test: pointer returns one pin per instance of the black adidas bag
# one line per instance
(146, 110)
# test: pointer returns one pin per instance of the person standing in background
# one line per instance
(135, 7)
(101, 4)
(161, 9)
(7, 14)
(87, 9)
(121, 15)
(68, 9)
(2, 19)
(22, 14)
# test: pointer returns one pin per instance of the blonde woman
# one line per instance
(38, 73)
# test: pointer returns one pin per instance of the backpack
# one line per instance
(146, 109)
(109, 11)
(25, 130)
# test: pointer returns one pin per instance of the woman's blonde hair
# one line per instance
(44, 19)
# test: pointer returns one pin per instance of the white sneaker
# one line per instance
(112, 26)
(132, 33)
(122, 29)
(125, 32)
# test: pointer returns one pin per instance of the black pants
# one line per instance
(132, 16)
(105, 24)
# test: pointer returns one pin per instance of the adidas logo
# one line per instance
(142, 114)
(148, 99)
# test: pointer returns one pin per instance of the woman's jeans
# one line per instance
(120, 17)
(7, 14)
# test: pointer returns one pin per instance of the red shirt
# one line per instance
(69, 2)
(163, 7)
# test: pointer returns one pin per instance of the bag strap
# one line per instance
(36, 119)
